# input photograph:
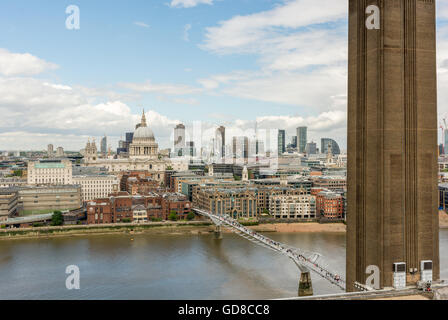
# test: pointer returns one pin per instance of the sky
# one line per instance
(278, 63)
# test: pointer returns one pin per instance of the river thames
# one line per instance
(169, 267)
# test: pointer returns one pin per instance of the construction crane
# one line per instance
(444, 129)
(443, 144)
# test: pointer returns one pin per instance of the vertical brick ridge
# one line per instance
(409, 55)
(361, 147)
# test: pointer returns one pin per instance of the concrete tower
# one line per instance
(220, 140)
(392, 139)
(104, 145)
(50, 151)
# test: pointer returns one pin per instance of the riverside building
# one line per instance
(50, 172)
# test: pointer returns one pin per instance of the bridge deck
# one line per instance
(303, 259)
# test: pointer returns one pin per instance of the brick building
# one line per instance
(330, 205)
(333, 183)
(137, 185)
(99, 211)
(226, 197)
(177, 203)
(239, 203)
(130, 174)
(124, 207)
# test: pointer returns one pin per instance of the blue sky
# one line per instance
(221, 62)
(111, 48)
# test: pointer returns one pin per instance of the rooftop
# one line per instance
(8, 190)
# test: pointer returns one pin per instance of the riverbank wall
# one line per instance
(175, 228)
(166, 228)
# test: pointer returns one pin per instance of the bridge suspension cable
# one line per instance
(304, 260)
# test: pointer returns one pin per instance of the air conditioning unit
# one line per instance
(426, 265)
(399, 275)
(400, 267)
(426, 270)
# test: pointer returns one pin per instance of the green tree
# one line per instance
(57, 219)
(191, 216)
(173, 216)
(17, 173)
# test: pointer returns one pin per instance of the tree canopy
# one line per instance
(57, 219)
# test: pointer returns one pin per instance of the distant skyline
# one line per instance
(221, 62)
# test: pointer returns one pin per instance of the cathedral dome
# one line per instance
(143, 133)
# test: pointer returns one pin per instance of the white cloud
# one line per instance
(312, 90)
(442, 68)
(189, 3)
(184, 101)
(141, 24)
(301, 50)
(168, 89)
(246, 33)
(13, 64)
(57, 86)
(36, 113)
(99, 94)
(442, 9)
(323, 125)
(23, 140)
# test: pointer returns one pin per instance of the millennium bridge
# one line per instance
(306, 261)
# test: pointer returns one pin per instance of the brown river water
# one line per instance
(167, 266)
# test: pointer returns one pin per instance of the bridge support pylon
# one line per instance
(218, 232)
(305, 284)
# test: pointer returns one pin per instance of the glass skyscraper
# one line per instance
(281, 141)
(302, 138)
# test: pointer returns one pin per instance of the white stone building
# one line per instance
(50, 172)
(96, 186)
